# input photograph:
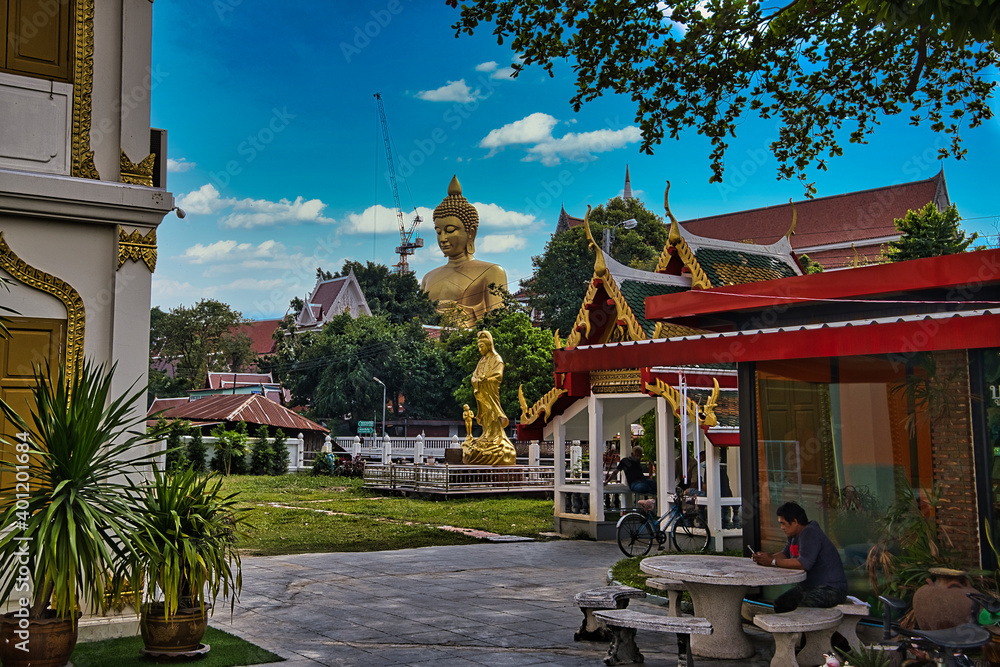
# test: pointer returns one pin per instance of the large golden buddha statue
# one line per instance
(464, 282)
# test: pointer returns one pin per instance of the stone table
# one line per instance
(718, 585)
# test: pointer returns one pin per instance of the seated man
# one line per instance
(634, 477)
(808, 548)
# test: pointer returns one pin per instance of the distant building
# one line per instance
(242, 384)
(330, 298)
(261, 335)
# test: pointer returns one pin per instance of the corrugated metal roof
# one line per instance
(249, 408)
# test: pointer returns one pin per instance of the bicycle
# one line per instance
(687, 528)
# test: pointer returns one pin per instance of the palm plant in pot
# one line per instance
(184, 556)
(71, 518)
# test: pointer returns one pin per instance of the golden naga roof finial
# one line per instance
(675, 231)
(520, 399)
(856, 262)
(600, 267)
(556, 340)
(708, 417)
(795, 218)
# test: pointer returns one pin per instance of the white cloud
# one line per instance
(231, 251)
(580, 147)
(492, 215)
(504, 74)
(494, 243)
(380, 219)
(537, 129)
(249, 213)
(529, 130)
(165, 290)
(489, 66)
(453, 91)
(179, 166)
(254, 284)
(203, 201)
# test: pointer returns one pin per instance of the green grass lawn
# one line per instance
(321, 513)
(227, 651)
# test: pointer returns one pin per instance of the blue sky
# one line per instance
(276, 155)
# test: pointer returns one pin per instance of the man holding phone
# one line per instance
(807, 548)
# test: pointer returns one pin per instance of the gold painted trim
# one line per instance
(699, 279)
(703, 416)
(137, 173)
(83, 86)
(71, 299)
(137, 247)
(625, 381)
(542, 406)
(623, 310)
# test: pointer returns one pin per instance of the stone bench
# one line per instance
(605, 597)
(848, 629)
(818, 625)
(624, 623)
(673, 589)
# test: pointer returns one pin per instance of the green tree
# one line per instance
(395, 295)
(279, 454)
(825, 71)
(563, 271)
(197, 340)
(526, 352)
(196, 451)
(260, 453)
(929, 233)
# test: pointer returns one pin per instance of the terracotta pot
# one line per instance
(50, 640)
(180, 633)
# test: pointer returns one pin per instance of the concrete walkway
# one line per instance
(482, 604)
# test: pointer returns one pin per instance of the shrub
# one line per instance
(345, 466)
(196, 451)
(279, 454)
(231, 450)
(176, 456)
(260, 455)
(324, 464)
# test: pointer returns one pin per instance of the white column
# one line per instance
(559, 462)
(327, 444)
(575, 454)
(596, 433)
(418, 450)
(713, 485)
(356, 446)
(665, 451)
(386, 449)
(534, 453)
(301, 458)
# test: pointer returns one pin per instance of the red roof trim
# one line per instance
(933, 272)
(954, 333)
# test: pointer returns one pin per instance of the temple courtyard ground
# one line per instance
(508, 603)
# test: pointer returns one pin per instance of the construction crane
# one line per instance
(407, 243)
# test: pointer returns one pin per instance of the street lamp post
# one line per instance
(383, 403)
(609, 234)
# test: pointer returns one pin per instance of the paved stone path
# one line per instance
(505, 603)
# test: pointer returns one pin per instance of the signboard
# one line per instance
(366, 428)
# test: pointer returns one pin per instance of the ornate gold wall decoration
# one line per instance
(137, 247)
(703, 416)
(140, 173)
(71, 299)
(670, 330)
(542, 406)
(625, 381)
(83, 86)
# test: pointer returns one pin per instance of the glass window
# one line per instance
(844, 438)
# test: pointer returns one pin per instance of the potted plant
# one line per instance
(70, 520)
(184, 554)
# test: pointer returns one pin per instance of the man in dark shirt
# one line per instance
(634, 477)
(807, 548)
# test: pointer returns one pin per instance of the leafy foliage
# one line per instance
(77, 521)
(809, 265)
(260, 453)
(231, 449)
(176, 453)
(194, 341)
(279, 454)
(563, 270)
(825, 71)
(196, 451)
(185, 548)
(395, 295)
(929, 233)
(525, 350)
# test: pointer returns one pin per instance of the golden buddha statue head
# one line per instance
(454, 205)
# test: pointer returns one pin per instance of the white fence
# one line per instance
(296, 450)
(459, 479)
(418, 449)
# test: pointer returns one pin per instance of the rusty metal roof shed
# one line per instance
(249, 408)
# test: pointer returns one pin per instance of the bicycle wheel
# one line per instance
(635, 536)
(690, 533)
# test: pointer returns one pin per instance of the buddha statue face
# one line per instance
(452, 237)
